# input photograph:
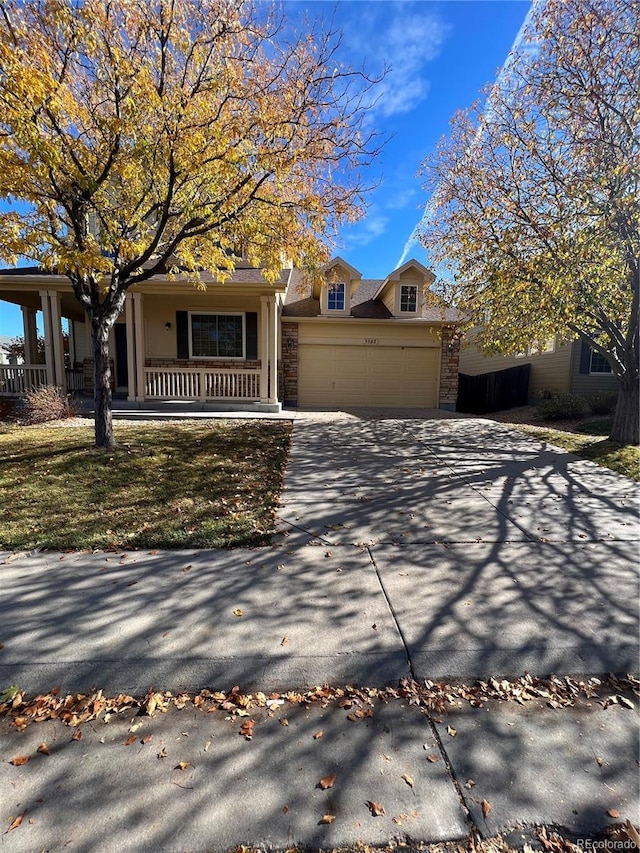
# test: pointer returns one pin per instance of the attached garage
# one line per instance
(368, 375)
(348, 341)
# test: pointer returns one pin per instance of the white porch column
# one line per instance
(30, 335)
(273, 350)
(48, 337)
(131, 346)
(58, 346)
(138, 321)
(264, 349)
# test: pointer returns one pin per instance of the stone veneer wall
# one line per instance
(87, 375)
(289, 365)
(221, 364)
(449, 370)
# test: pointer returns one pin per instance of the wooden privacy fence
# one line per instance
(491, 392)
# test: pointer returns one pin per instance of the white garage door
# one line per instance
(367, 375)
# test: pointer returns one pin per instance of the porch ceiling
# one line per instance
(30, 298)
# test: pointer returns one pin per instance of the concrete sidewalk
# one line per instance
(441, 548)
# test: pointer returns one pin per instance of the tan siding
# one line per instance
(354, 332)
(81, 340)
(162, 343)
(549, 371)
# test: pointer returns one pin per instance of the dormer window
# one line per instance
(408, 298)
(336, 296)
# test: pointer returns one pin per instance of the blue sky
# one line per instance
(440, 54)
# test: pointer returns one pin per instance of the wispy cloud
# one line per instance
(403, 36)
(521, 47)
(365, 232)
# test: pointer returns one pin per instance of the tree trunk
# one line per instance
(102, 383)
(625, 420)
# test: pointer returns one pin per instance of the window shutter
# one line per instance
(182, 334)
(585, 357)
(251, 329)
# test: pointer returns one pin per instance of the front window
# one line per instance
(408, 298)
(335, 296)
(599, 363)
(217, 335)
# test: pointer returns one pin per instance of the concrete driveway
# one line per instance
(496, 553)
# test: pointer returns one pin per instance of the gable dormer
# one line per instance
(338, 284)
(402, 291)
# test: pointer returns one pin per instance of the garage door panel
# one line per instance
(367, 376)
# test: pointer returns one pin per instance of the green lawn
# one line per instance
(625, 460)
(170, 485)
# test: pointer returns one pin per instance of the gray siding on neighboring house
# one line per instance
(584, 382)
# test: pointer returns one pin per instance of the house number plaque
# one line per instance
(371, 340)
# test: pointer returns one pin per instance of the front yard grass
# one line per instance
(625, 460)
(169, 485)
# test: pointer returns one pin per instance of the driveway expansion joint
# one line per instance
(394, 615)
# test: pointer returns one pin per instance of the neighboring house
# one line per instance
(6, 357)
(571, 367)
(247, 344)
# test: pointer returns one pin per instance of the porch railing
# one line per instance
(204, 384)
(15, 379)
(75, 380)
(18, 378)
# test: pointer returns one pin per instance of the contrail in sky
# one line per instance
(431, 203)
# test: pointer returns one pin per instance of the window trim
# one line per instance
(241, 314)
(332, 287)
(402, 310)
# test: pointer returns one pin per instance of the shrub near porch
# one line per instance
(170, 485)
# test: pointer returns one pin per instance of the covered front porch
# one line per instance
(218, 346)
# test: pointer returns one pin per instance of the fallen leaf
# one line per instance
(283, 721)
(187, 568)
(469, 783)
(246, 729)
(376, 809)
(433, 758)
(238, 612)
(451, 731)
(43, 749)
(285, 809)
(16, 823)
(131, 739)
(613, 813)
(77, 735)
(318, 734)
(147, 739)
(284, 641)
(486, 808)
(182, 765)
(162, 753)
(327, 818)
(19, 760)
(408, 779)
(328, 781)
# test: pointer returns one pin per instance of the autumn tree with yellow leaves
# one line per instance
(151, 135)
(536, 194)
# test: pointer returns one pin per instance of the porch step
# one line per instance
(185, 409)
